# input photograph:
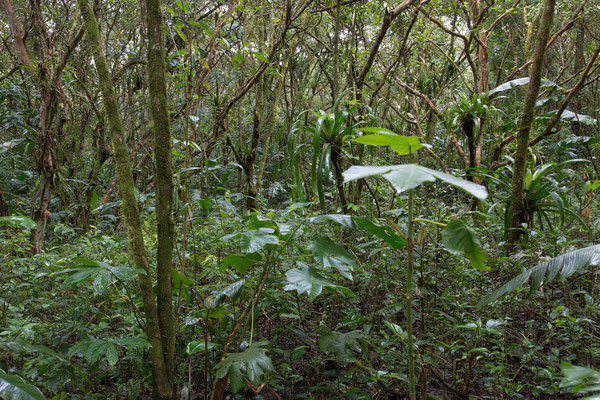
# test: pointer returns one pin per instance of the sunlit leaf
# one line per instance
(18, 221)
(13, 387)
(409, 176)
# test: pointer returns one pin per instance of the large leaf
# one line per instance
(558, 268)
(241, 264)
(408, 176)
(102, 274)
(329, 254)
(13, 387)
(519, 82)
(581, 379)
(231, 291)
(18, 221)
(341, 345)
(402, 145)
(383, 232)
(253, 363)
(308, 280)
(459, 239)
(570, 116)
(254, 240)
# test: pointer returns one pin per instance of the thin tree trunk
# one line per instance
(163, 181)
(520, 165)
(162, 386)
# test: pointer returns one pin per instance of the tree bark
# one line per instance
(163, 181)
(520, 165)
(163, 389)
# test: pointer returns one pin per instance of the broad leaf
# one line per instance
(581, 379)
(18, 221)
(519, 82)
(570, 116)
(13, 387)
(252, 363)
(383, 232)
(408, 176)
(341, 345)
(329, 254)
(402, 145)
(459, 239)
(217, 296)
(306, 280)
(344, 220)
(241, 264)
(558, 268)
(197, 346)
(254, 240)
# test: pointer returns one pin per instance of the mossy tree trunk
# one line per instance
(163, 387)
(520, 164)
(163, 181)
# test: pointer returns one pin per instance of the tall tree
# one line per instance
(164, 182)
(46, 74)
(159, 344)
(520, 165)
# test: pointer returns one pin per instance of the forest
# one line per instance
(299, 199)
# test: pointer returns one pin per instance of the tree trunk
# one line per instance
(520, 165)
(163, 389)
(163, 182)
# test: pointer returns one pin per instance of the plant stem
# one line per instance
(409, 295)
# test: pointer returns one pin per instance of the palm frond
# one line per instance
(558, 268)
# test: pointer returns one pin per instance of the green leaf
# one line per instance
(18, 221)
(344, 220)
(13, 387)
(408, 176)
(241, 264)
(582, 379)
(402, 145)
(101, 281)
(196, 346)
(231, 291)
(254, 240)
(253, 363)
(341, 345)
(459, 239)
(329, 254)
(112, 356)
(383, 232)
(306, 280)
(570, 116)
(558, 268)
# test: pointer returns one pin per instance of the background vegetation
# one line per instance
(301, 199)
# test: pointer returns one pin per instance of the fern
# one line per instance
(558, 268)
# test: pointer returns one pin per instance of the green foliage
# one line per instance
(555, 269)
(102, 274)
(306, 279)
(253, 363)
(18, 221)
(402, 145)
(545, 193)
(13, 387)
(461, 240)
(582, 380)
(342, 346)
